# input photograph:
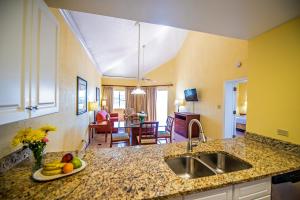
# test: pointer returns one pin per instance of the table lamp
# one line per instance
(177, 103)
(93, 106)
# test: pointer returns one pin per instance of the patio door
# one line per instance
(162, 106)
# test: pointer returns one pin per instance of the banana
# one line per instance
(51, 172)
(53, 166)
(53, 163)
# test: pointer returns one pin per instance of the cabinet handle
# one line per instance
(28, 108)
(32, 108)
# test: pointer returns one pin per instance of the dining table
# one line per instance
(132, 127)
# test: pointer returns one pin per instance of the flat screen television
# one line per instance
(191, 94)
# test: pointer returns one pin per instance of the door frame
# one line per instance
(229, 126)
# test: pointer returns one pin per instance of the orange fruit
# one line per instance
(68, 167)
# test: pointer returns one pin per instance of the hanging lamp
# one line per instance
(138, 90)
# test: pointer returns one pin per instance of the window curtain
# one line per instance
(130, 100)
(151, 102)
(108, 96)
(146, 103)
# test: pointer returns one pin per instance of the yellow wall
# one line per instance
(205, 62)
(241, 98)
(71, 128)
(274, 82)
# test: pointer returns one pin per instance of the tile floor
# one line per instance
(239, 133)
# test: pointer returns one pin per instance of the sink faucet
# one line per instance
(201, 134)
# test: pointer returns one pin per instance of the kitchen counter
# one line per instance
(140, 172)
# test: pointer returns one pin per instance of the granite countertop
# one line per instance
(141, 173)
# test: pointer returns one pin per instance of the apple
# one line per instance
(67, 158)
(76, 162)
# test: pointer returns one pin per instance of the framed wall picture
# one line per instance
(98, 95)
(81, 106)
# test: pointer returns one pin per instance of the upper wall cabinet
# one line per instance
(28, 60)
(14, 59)
(44, 82)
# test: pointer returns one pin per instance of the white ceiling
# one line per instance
(242, 19)
(112, 42)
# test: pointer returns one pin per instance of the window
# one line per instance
(162, 106)
(119, 99)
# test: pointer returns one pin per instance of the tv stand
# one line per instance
(182, 120)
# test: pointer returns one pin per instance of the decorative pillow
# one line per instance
(101, 116)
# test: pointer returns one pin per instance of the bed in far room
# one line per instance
(241, 121)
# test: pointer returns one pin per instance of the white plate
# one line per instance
(40, 177)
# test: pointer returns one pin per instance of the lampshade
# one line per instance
(179, 102)
(103, 102)
(92, 106)
(138, 90)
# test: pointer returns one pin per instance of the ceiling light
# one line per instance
(138, 90)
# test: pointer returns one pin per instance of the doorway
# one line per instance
(161, 106)
(235, 108)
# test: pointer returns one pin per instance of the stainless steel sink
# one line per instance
(188, 167)
(205, 164)
(222, 162)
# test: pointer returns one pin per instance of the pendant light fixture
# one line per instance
(138, 90)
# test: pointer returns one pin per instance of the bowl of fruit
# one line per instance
(68, 165)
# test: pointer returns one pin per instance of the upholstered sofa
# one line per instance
(102, 116)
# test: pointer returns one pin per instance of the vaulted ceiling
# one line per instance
(113, 43)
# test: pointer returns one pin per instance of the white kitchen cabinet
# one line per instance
(15, 18)
(260, 189)
(28, 60)
(217, 194)
(254, 190)
(44, 81)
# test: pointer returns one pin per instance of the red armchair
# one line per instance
(101, 116)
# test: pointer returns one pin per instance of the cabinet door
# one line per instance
(15, 18)
(260, 189)
(218, 194)
(44, 72)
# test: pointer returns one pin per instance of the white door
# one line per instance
(162, 106)
(230, 109)
(15, 17)
(44, 80)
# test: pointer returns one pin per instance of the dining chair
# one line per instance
(167, 133)
(118, 137)
(148, 133)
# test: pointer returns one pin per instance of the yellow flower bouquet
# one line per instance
(35, 139)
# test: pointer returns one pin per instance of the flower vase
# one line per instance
(37, 151)
(142, 119)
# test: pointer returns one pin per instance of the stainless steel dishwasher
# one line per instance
(286, 186)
